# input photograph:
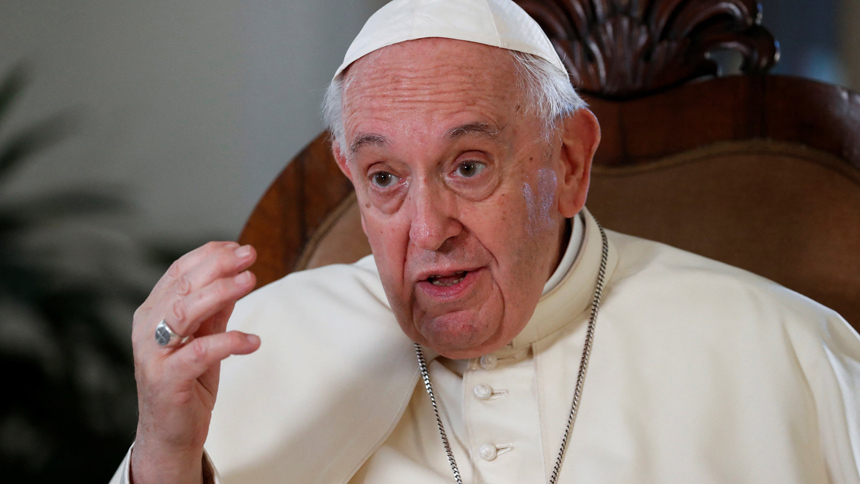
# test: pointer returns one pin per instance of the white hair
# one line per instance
(547, 92)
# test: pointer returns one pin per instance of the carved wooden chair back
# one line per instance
(759, 171)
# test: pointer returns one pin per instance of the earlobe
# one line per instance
(341, 161)
(580, 138)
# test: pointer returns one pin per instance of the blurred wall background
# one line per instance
(190, 109)
(818, 39)
(194, 106)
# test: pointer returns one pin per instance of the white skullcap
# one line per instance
(498, 23)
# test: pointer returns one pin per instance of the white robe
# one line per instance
(700, 372)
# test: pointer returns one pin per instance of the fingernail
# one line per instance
(243, 278)
(253, 339)
(243, 251)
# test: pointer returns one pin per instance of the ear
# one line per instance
(341, 160)
(343, 164)
(579, 140)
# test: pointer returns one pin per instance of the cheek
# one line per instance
(381, 228)
(539, 196)
(536, 223)
(548, 184)
(388, 238)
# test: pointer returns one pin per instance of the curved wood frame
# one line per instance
(782, 108)
(293, 208)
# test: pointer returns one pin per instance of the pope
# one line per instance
(498, 333)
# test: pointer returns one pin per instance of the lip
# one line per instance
(425, 274)
(447, 293)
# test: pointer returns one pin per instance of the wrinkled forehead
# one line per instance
(412, 58)
(430, 72)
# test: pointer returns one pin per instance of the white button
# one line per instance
(489, 362)
(488, 452)
(482, 392)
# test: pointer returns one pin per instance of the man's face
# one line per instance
(458, 190)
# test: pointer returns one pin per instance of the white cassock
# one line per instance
(700, 373)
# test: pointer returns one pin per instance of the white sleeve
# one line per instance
(840, 414)
(122, 476)
(828, 351)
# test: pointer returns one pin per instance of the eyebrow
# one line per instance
(367, 139)
(483, 129)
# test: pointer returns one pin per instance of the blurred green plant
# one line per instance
(68, 405)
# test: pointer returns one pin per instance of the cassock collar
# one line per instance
(572, 295)
(577, 230)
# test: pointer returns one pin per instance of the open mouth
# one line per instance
(449, 280)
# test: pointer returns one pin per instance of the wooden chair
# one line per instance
(759, 171)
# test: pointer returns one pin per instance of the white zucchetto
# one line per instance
(498, 23)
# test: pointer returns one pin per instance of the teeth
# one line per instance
(437, 282)
(434, 279)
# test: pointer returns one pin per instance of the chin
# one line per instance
(461, 335)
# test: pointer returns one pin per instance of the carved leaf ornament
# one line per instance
(627, 48)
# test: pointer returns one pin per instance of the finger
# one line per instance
(192, 258)
(195, 358)
(190, 311)
(217, 257)
(217, 323)
(219, 263)
(175, 271)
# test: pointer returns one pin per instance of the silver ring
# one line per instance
(166, 337)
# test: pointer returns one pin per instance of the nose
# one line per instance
(434, 219)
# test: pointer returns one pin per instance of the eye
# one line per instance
(468, 169)
(383, 179)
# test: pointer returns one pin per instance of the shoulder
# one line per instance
(727, 344)
(333, 366)
(675, 292)
(664, 272)
(342, 281)
(333, 313)
(325, 293)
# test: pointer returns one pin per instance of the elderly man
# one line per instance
(470, 155)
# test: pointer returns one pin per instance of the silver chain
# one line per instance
(580, 377)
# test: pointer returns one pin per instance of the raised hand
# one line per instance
(177, 385)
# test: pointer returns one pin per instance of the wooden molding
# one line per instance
(628, 48)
